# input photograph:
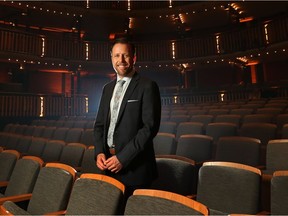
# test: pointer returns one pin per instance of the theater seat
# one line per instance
(157, 202)
(50, 194)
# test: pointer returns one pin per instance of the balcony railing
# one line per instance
(240, 39)
(34, 105)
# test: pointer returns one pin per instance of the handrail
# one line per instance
(236, 40)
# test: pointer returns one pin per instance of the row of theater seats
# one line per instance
(278, 119)
(69, 123)
(84, 136)
(240, 149)
(189, 141)
(72, 146)
(196, 149)
(188, 132)
(254, 104)
(77, 155)
(184, 112)
(222, 188)
(221, 111)
(51, 187)
(261, 130)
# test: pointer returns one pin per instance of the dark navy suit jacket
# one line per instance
(137, 124)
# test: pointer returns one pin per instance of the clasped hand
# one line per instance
(112, 163)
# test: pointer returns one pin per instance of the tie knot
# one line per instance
(121, 82)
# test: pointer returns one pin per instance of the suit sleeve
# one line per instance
(151, 116)
(99, 127)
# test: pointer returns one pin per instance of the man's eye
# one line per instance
(124, 56)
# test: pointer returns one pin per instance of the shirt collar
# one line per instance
(128, 78)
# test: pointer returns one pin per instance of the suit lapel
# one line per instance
(128, 93)
(109, 95)
(110, 91)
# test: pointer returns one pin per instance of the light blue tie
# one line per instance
(114, 112)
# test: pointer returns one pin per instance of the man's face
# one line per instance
(122, 59)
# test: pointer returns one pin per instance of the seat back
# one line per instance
(68, 123)
(48, 132)
(271, 109)
(72, 154)
(95, 194)
(242, 111)
(87, 137)
(164, 143)
(37, 146)
(197, 111)
(24, 143)
(175, 174)
(156, 202)
(52, 189)
(38, 131)
(196, 147)
(4, 137)
(29, 130)
(73, 135)
(229, 118)
(168, 127)
(218, 111)
(276, 155)
(60, 133)
(8, 159)
(21, 129)
(229, 187)
(88, 164)
(59, 123)
(80, 124)
(221, 129)
(262, 131)
(24, 176)
(189, 128)
(257, 118)
(12, 141)
(279, 193)
(245, 150)
(205, 119)
(52, 150)
(179, 118)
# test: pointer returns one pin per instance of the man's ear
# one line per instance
(134, 59)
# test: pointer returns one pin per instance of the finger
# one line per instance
(115, 169)
(100, 166)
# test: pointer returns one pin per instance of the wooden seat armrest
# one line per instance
(200, 163)
(16, 198)
(264, 213)
(3, 183)
(3, 211)
(192, 196)
(62, 212)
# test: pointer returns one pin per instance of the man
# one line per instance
(124, 144)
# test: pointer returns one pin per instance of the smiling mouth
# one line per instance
(122, 66)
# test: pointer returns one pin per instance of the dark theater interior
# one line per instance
(222, 72)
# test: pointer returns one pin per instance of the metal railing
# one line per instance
(232, 41)
(34, 105)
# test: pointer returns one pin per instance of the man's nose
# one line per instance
(122, 58)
